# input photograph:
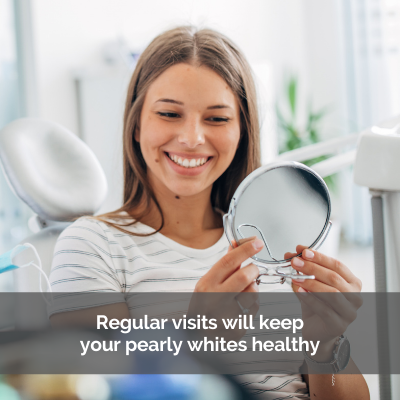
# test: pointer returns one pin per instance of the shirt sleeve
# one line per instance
(83, 274)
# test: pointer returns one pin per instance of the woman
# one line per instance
(191, 135)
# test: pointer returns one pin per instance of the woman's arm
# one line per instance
(351, 386)
(331, 276)
(337, 386)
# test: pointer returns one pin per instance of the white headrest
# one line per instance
(51, 169)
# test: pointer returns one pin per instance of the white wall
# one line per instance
(69, 35)
(281, 36)
(325, 62)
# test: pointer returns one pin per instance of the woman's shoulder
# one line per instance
(111, 229)
(93, 235)
(85, 226)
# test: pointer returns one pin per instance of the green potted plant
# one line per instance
(291, 134)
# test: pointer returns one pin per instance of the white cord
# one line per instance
(40, 283)
(41, 272)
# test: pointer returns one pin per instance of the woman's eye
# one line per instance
(219, 119)
(168, 114)
(175, 115)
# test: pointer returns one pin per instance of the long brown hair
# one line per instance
(204, 47)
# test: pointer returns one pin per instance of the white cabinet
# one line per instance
(101, 100)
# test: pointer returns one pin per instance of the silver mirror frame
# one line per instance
(276, 265)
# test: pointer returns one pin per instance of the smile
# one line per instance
(188, 162)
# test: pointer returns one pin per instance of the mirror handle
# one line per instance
(225, 221)
(324, 237)
(263, 238)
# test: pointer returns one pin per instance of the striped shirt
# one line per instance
(91, 256)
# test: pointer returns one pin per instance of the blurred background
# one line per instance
(324, 69)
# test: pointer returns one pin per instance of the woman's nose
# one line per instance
(192, 134)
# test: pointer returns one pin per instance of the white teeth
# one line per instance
(188, 163)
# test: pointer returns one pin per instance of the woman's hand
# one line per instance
(332, 301)
(227, 276)
(330, 274)
(226, 279)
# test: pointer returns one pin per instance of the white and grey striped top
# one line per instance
(91, 256)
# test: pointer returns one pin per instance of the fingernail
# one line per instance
(298, 279)
(300, 289)
(298, 262)
(258, 244)
(308, 254)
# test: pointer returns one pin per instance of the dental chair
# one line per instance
(59, 178)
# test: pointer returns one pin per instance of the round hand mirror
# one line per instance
(284, 204)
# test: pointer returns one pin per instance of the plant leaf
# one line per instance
(292, 91)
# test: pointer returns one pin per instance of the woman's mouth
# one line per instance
(188, 162)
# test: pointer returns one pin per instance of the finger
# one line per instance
(232, 246)
(322, 274)
(313, 285)
(328, 262)
(240, 242)
(289, 255)
(241, 279)
(245, 240)
(295, 287)
(228, 264)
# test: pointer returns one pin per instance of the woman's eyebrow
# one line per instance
(169, 101)
(218, 106)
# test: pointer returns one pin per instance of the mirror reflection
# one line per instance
(285, 206)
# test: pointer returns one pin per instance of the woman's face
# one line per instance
(189, 129)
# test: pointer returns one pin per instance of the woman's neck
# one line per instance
(190, 221)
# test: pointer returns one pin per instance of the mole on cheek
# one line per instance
(177, 197)
(156, 160)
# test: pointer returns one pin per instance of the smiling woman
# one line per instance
(191, 135)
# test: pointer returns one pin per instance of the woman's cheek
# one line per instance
(228, 144)
(156, 136)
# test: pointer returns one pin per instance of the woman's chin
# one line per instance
(189, 191)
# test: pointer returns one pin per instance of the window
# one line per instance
(13, 213)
